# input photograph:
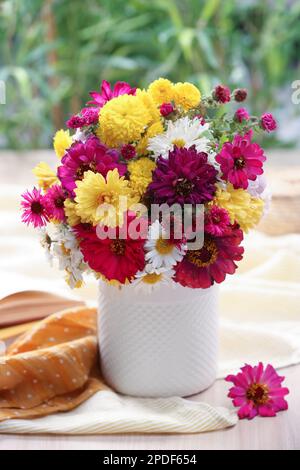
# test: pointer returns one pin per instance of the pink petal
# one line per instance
(237, 392)
(245, 411)
(266, 411)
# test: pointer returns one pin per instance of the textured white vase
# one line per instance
(159, 344)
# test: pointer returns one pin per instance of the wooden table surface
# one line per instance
(279, 433)
(282, 432)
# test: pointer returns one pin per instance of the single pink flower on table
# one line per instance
(257, 391)
(34, 210)
(268, 122)
(221, 94)
(241, 160)
(54, 202)
(107, 93)
(166, 109)
(216, 221)
(241, 115)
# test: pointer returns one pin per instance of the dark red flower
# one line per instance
(128, 151)
(221, 93)
(166, 109)
(202, 268)
(184, 178)
(240, 94)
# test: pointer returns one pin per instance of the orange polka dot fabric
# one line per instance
(53, 367)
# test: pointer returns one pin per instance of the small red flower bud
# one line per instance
(128, 152)
(241, 115)
(268, 122)
(240, 94)
(166, 109)
(221, 93)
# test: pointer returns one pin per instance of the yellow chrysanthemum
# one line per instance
(61, 142)
(46, 177)
(186, 95)
(242, 207)
(150, 104)
(153, 130)
(70, 212)
(94, 191)
(140, 172)
(161, 91)
(123, 120)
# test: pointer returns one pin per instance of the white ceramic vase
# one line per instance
(160, 344)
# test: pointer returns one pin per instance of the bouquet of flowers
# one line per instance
(130, 149)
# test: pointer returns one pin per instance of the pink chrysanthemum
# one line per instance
(201, 268)
(81, 157)
(34, 210)
(241, 160)
(107, 93)
(217, 221)
(268, 122)
(241, 115)
(54, 202)
(257, 391)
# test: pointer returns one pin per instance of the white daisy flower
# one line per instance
(151, 278)
(79, 136)
(66, 250)
(45, 241)
(184, 132)
(160, 252)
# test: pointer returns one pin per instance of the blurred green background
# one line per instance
(53, 52)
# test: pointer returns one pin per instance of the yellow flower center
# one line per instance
(258, 393)
(118, 247)
(152, 278)
(179, 142)
(204, 257)
(163, 246)
(66, 251)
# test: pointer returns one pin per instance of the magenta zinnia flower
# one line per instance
(258, 391)
(184, 178)
(34, 210)
(201, 268)
(81, 157)
(217, 221)
(107, 93)
(54, 202)
(241, 160)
